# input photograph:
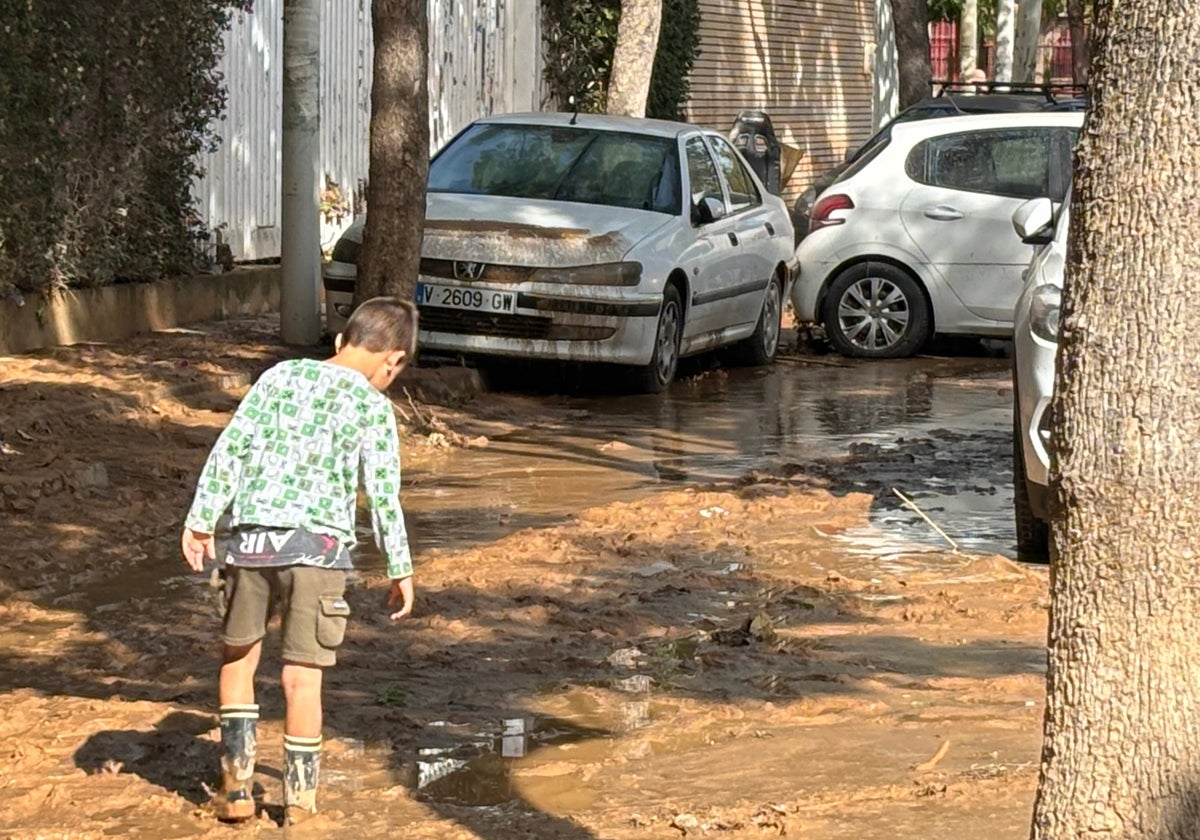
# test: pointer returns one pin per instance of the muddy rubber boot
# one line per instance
(239, 746)
(301, 773)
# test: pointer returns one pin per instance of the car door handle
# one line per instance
(770, 228)
(942, 213)
(733, 238)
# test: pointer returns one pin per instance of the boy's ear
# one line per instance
(338, 341)
(397, 358)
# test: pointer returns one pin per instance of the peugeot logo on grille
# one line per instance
(468, 270)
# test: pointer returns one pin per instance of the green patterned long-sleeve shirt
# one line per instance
(293, 453)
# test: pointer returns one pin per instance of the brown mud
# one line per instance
(631, 624)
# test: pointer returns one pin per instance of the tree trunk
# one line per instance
(633, 58)
(399, 166)
(1029, 30)
(1122, 730)
(968, 40)
(911, 20)
(1006, 25)
(300, 141)
(1079, 41)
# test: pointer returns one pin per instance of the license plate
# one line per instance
(457, 297)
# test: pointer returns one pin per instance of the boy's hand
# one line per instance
(196, 547)
(402, 592)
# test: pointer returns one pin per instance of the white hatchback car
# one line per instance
(916, 238)
(1035, 347)
(593, 239)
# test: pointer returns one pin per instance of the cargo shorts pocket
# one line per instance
(331, 622)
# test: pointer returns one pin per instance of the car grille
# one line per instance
(437, 319)
(490, 273)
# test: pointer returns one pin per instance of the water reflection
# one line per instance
(593, 450)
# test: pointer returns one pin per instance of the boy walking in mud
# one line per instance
(287, 469)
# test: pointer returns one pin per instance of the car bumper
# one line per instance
(549, 326)
(589, 324)
(806, 289)
(338, 279)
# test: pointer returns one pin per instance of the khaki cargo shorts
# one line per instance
(310, 601)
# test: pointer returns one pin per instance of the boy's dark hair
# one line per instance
(383, 324)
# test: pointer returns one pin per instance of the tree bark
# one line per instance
(399, 165)
(911, 21)
(1121, 755)
(1006, 25)
(300, 257)
(1079, 41)
(633, 58)
(968, 40)
(1029, 31)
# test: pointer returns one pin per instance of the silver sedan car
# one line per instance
(589, 238)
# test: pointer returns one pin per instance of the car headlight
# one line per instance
(605, 274)
(1044, 312)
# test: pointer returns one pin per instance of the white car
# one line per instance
(589, 238)
(915, 237)
(1035, 346)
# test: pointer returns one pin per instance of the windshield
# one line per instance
(561, 163)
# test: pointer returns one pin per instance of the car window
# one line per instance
(702, 172)
(561, 163)
(742, 191)
(1009, 162)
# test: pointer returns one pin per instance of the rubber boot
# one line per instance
(239, 746)
(301, 774)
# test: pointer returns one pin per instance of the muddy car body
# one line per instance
(593, 239)
(1035, 349)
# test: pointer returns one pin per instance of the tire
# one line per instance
(759, 349)
(656, 376)
(875, 311)
(1033, 534)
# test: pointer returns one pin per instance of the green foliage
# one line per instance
(678, 49)
(107, 105)
(581, 35)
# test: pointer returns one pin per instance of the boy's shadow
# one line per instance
(173, 755)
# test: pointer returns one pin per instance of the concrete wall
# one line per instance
(113, 313)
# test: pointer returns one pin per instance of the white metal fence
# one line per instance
(484, 58)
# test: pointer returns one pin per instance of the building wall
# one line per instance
(807, 63)
(481, 62)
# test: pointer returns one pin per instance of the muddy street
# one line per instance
(704, 613)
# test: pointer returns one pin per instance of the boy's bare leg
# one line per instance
(236, 683)
(239, 743)
(302, 690)
(301, 739)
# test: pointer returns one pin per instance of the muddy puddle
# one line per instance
(935, 429)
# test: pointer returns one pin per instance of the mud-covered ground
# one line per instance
(701, 656)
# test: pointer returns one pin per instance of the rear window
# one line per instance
(561, 163)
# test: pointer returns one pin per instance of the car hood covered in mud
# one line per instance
(522, 231)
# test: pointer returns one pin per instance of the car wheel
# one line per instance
(875, 310)
(661, 371)
(1033, 534)
(759, 349)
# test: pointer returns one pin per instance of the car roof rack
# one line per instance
(1051, 91)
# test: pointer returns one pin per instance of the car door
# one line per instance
(754, 230)
(966, 186)
(713, 260)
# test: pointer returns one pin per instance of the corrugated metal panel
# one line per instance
(481, 62)
(808, 65)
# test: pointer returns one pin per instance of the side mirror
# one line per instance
(1033, 221)
(709, 210)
